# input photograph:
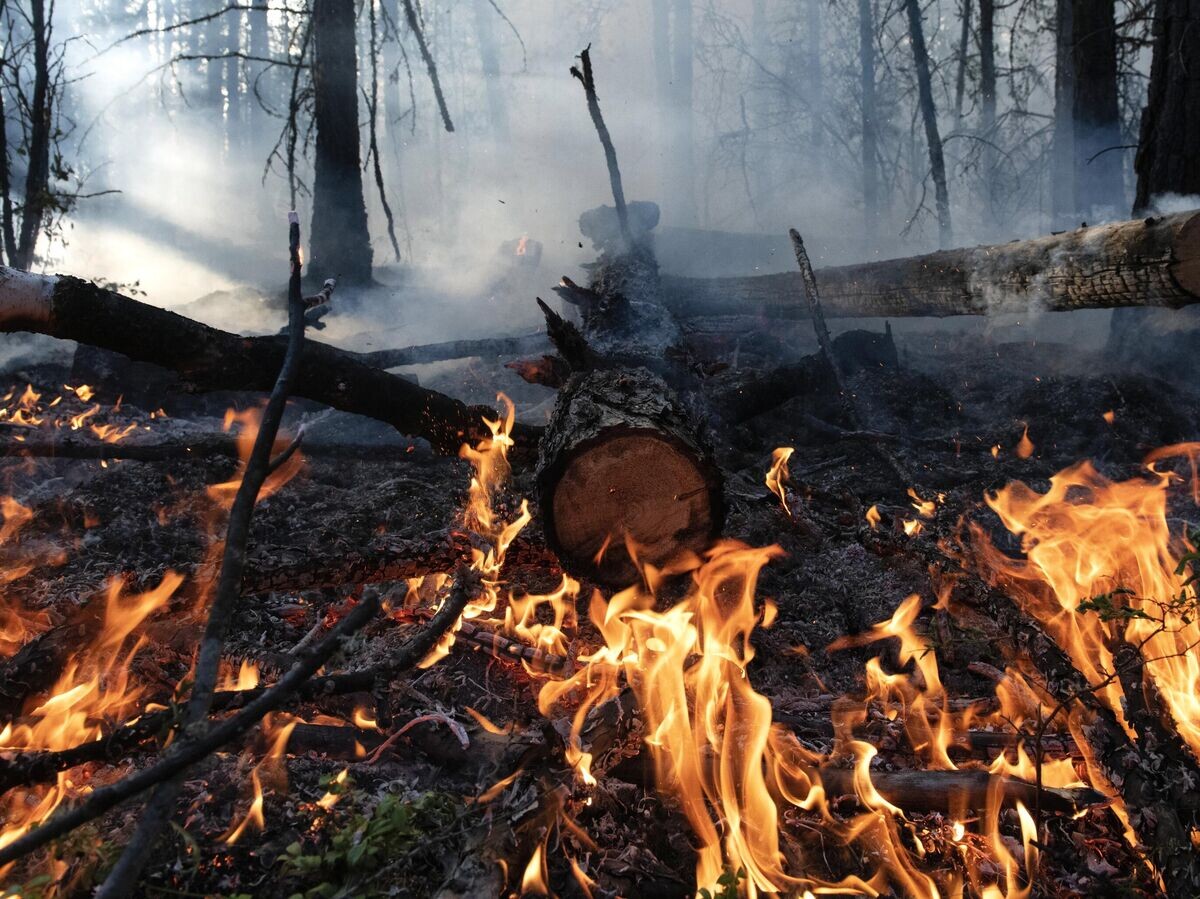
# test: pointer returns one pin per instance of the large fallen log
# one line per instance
(1145, 262)
(211, 359)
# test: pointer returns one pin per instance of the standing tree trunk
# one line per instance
(870, 163)
(815, 76)
(684, 156)
(260, 48)
(41, 120)
(1099, 176)
(1062, 175)
(341, 244)
(489, 56)
(937, 159)
(964, 43)
(234, 72)
(987, 94)
(1168, 157)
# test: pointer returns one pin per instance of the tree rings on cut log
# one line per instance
(622, 458)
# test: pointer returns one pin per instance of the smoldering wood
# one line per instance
(34, 668)
(1144, 262)
(1159, 811)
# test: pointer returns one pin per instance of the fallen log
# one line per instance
(210, 359)
(486, 347)
(1144, 262)
(621, 458)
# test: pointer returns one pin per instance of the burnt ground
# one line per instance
(402, 825)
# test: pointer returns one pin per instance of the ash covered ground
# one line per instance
(940, 413)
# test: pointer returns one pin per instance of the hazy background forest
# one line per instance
(175, 120)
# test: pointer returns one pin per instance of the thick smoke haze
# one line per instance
(772, 139)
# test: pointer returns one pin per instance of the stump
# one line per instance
(622, 458)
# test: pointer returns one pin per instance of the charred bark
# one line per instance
(1168, 157)
(933, 138)
(1151, 262)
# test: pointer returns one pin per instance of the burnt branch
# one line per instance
(414, 24)
(189, 752)
(584, 73)
(210, 359)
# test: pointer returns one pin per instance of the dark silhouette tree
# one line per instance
(340, 242)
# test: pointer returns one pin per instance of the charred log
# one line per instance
(209, 359)
(1150, 262)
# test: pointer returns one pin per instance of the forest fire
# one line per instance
(825, 523)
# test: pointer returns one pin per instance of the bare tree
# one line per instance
(32, 85)
(341, 243)
(933, 138)
(870, 164)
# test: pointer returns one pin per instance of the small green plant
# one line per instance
(366, 842)
(727, 885)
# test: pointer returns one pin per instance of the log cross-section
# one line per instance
(622, 458)
(1145, 262)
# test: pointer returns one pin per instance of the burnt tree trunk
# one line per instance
(870, 164)
(987, 92)
(1168, 157)
(1062, 175)
(1099, 169)
(41, 120)
(1151, 262)
(622, 459)
(933, 137)
(341, 244)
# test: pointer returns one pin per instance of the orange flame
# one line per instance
(777, 476)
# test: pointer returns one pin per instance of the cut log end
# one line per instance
(622, 464)
(634, 486)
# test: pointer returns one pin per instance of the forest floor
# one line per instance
(400, 825)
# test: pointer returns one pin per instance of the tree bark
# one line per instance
(1062, 176)
(1152, 262)
(987, 93)
(933, 138)
(622, 458)
(341, 243)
